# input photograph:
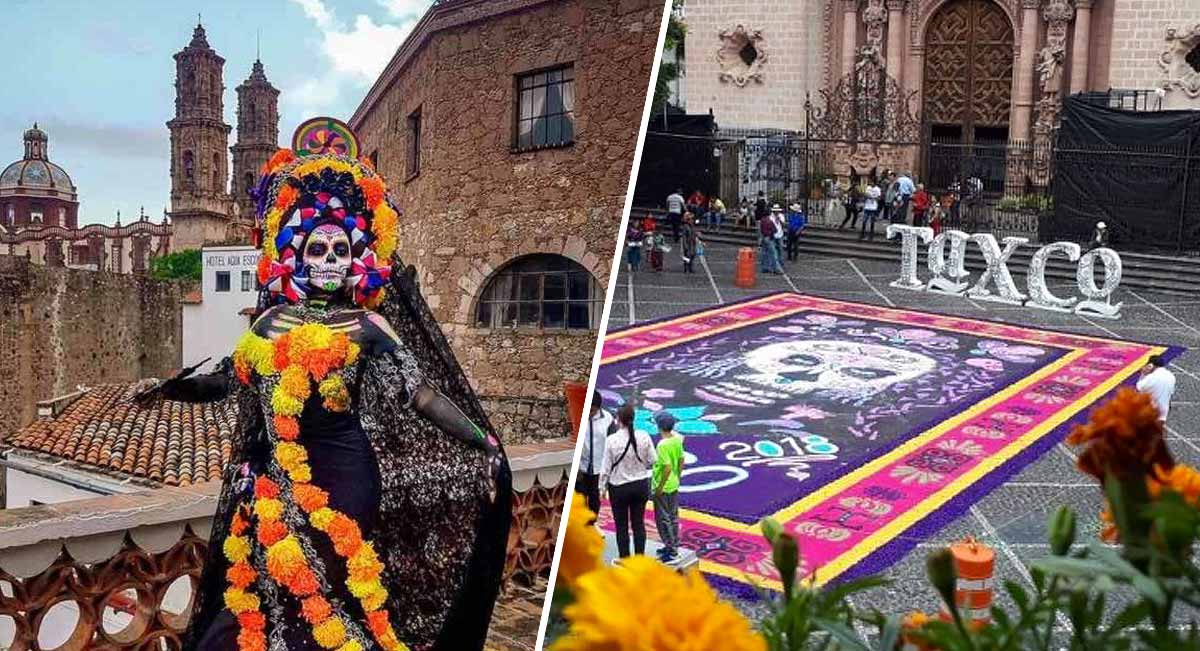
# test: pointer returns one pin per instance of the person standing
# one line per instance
(628, 457)
(633, 242)
(854, 203)
(780, 233)
(761, 207)
(675, 205)
(655, 244)
(796, 221)
(870, 210)
(904, 192)
(599, 426)
(668, 468)
(688, 243)
(1099, 237)
(920, 205)
(890, 192)
(1159, 383)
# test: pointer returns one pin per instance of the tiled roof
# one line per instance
(173, 443)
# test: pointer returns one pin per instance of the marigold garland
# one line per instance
(582, 546)
(308, 354)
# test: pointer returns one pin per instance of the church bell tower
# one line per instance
(257, 136)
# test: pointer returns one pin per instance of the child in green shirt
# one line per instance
(668, 467)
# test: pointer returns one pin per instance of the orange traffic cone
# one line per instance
(975, 564)
(743, 275)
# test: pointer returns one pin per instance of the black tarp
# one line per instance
(1136, 171)
(677, 155)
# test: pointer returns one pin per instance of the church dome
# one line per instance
(35, 174)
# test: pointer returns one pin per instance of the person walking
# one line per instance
(668, 468)
(600, 425)
(870, 210)
(1159, 383)
(675, 206)
(854, 203)
(634, 238)
(689, 242)
(796, 221)
(920, 205)
(628, 457)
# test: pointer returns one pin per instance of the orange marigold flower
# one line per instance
(377, 621)
(242, 368)
(265, 488)
(287, 427)
(240, 575)
(271, 532)
(1181, 479)
(251, 640)
(304, 583)
(278, 159)
(309, 497)
(1122, 436)
(345, 535)
(286, 197)
(252, 620)
(315, 609)
(282, 347)
(373, 190)
(237, 526)
(1108, 528)
(295, 382)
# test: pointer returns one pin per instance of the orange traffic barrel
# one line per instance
(743, 275)
(576, 394)
(975, 564)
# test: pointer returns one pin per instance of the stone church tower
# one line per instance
(201, 208)
(257, 136)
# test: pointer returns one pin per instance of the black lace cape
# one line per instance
(443, 544)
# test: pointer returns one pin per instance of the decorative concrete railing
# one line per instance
(117, 572)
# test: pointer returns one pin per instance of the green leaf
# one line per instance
(1131, 616)
(770, 529)
(845, 636)
(889, 634)
(1018, 594)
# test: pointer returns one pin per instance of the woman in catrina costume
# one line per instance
(367, 502)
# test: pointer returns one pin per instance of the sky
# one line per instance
(98, 78)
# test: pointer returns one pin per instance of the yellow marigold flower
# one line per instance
(240, 601)
(316, 165)
(285, 558)
(333, 389)
(374, 600)
(283, 403)
(361, 589)
(364, 564)
(385, 225)
(294, 381)
(290, 455)
(301, 474)
(256, 351)
(330, 633)
(645, 606)
(268, 508)
(582, 545)
(321, 518)
(236, 548)
(352, 351)
(350, 645)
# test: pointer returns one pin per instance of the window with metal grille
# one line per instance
(247, 281)
(222, 281)
(543, 291)
(545, 110)
(414, 143)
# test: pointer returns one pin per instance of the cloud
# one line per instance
(107, 139)
(406, 9)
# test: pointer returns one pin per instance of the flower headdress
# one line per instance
(321, 180)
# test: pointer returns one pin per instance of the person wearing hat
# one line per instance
(668, 467)
(796, 221)
(768, 228)
(1099, 236)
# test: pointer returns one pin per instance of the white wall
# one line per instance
(23, 488)
(211, 328)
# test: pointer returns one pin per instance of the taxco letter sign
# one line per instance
(949, 275)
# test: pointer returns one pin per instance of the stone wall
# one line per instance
(1139, 29)
(475, 204)
(795, 41)
(63, 327)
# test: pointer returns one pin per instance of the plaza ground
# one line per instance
(1012, 518)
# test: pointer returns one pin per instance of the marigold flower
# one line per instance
(321, 518)
(268, 509)
(271, 532)
(287, 427)
(330, 633)
(290, 455)
(1108, 529)
(361, 589)
(373, 190)
(286, 197)
(309, 497)
(295, 382)
(582, 544)
(350, 645)
(284, 403)
(333, 389)
(280, 353)
(236, 548)
(304, 583)
(1181, 479)
(251, 640)
(240, 601)
(377, 621)
(280, 158)
(385, 224)
(285, 559)
(264, 488)
(345, 534)
(1122, 436)
(315, 609)
(645, 606)
(252, 620)
(256, 351)
(242, 369)
(301, 474)
(374, 600)
(352, 351)
(238, 524)
(364, 565)
(240, 575)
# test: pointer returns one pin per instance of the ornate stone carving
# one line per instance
(1057, 14)
(874, 16)
(742, 55)
(1179, 73)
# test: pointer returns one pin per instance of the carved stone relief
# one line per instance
(742, 55)
(1181, 61)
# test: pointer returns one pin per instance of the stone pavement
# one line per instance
(1011, 519)
(516, 617)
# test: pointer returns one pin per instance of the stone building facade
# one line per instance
(496, 187)
(129, 248)
(34, 191)
(203, 208)
(965, 71)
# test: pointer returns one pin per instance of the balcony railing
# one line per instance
(118, 572)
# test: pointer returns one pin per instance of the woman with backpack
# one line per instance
(629, 457)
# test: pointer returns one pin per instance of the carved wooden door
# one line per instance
(968, 71)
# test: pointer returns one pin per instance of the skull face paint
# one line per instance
(840, 368)
(327, 258)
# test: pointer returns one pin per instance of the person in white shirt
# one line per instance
(675, 205)
(591, 459)
(870, 210)
(628, 460)
(1159, 384)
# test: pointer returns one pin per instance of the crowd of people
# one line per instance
(623, 462)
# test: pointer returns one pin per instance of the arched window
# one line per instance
(543, 291)
(189, 167)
